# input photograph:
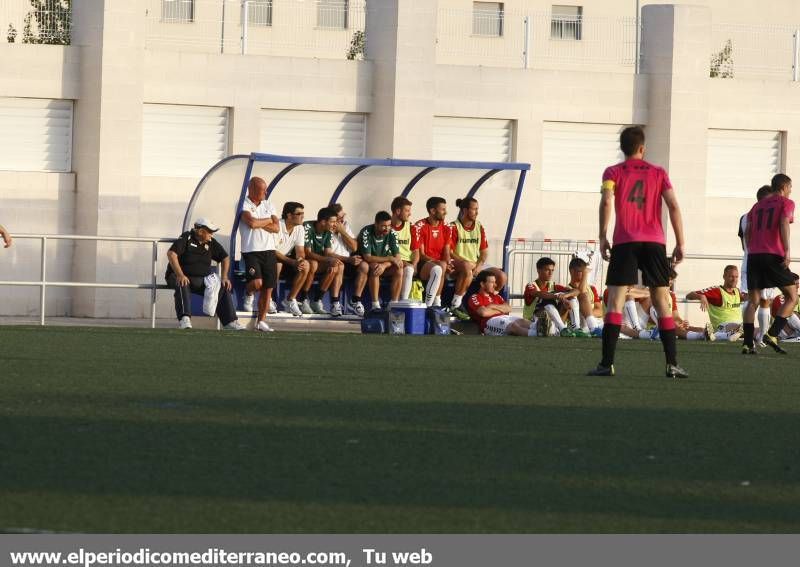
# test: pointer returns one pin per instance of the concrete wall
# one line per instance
(401, 91)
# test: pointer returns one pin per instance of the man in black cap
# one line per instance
(189, 271)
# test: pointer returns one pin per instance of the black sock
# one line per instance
(355, 299)
(302, 295)
(669, 343)
(777, 326)
(610, 338)
(749, 333)
(317, 294)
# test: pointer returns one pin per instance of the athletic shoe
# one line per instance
(675, 371)
(234, 325)
(749, 350)
(357, 307)
(318, 308)
(292, 307)
(249, 302)
(581, 334)
(455, 304)
(543, 325)
(772, 342)
(460, 314)
(185, 322)
(735, 336)
(305, 307)
(263, 327)
(760, 344)
(337, 311)
(708, 332)
(566, 332)
(597, 332)
(655, 334)
(272, 308)
(602, 371)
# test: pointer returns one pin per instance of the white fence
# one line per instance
(22, 23)
(333, 29)
(538, 40)
(755, 51)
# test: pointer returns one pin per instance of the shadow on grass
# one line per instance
(639, 463)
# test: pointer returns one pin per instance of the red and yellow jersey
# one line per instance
(777, 304)
(479, 300)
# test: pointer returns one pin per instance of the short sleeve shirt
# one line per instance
(287, 241)
(381, 246)
(764, 225)
(432, 238)
(337, 242)
(317, 242)
(195, 258)
(479, 300)
(257, 239)
(638, 188)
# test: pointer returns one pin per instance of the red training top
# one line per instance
(432, 238)
(479, 300)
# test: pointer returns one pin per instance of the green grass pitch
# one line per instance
(121, 430)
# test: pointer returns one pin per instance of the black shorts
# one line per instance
(767, 270)
(261, 265)
(628, 258)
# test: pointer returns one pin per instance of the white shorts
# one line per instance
(496, 326)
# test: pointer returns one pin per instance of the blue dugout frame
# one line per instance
(359, 165)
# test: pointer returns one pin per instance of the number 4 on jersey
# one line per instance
(636, 195)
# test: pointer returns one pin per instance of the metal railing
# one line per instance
(50, 23)
(43, 284)
(332, 29)
(536, 40)
(755, 51)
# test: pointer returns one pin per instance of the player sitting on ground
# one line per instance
(768, 260)
(585, 309)
(636, 319)
(401, 212)
(492, 313)
(792, 328)
(433, 242)
(544, 300)
(377, 245)
(469, 250)
(683, 329)
(319, 251)
(767, 295)
(635, 190)
(723, 304)
(290, 253)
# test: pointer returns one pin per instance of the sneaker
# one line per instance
(675, 371)
(655, 334)
(234, 326)
(601, 370)
(185, 322)
(735, 336)
(749, 350)
(461, 314)
(357, 307)
(597, 332)
(292, 307)
(760, 344)
(581, 334)
(336, 310)
(566, 332)
(263, 327)
(772, 342)
(708, 332)
(272, 308)
(456, 303)
(248, 304)
(305, 307)
(543, 325)
(318, 308)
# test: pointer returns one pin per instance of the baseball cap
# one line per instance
(203, 222)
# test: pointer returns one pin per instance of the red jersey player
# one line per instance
(432, 238)
(768, 259)
(635, 189)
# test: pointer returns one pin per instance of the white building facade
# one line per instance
(110, 135)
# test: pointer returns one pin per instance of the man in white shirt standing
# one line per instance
(259, 224)
(290, 253)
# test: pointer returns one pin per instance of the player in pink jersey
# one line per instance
(768, 259)
(635, 189)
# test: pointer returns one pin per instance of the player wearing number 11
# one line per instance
(636, 189)
(767, 241)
